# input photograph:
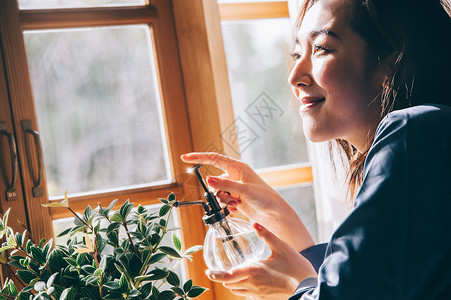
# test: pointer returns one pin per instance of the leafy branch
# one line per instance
(109, 255)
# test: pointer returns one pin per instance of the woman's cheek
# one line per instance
(341, 78)
(325, 73)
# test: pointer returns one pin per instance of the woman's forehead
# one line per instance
(324, 16)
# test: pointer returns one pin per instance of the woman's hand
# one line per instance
(253, 197)
(276, 277)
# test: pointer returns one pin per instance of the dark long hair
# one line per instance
(415, 37)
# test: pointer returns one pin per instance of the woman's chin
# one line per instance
(314, 131)
(315, 137)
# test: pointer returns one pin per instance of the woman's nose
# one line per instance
(300, 75)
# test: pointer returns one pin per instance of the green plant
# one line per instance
(119, 256)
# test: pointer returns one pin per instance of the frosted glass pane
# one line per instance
(269, 129)
(301, 198)
(40, 4)
(98, 108)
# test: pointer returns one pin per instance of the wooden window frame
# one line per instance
(253, 10)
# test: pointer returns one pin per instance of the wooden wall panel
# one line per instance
(17, 215)
(17, 205)
(22, 104)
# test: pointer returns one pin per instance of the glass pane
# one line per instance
(62, 224)
(98, 108)
(40, 4)
(268, 128)
(302, 199)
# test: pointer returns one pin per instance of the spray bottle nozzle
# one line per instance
(204, 205)
(213, 211)
(211, 199)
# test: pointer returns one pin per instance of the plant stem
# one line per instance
(78, 217)
(100, 287)
(96, 250)
(164, 232)
(7, 296)
(106, 217)
(145, 267)
(165, 228)
(130, 238)
(32, 258)
(173, 268)
(14, 274)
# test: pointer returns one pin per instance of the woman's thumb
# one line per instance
(225, 184)
(270, 238)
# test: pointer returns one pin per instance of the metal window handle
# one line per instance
(28, 128)
(11, 193)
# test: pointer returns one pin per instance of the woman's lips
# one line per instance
(309, 102)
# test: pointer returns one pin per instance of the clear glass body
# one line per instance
(230, 243)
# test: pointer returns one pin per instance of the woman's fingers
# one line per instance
(210, 158)
(234, 275)
(274, 243)
(224, 184)
(261, 284)
(230, 165)
(241, 292)
(243, 284)
(227, 199)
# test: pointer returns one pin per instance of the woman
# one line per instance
(373, 76)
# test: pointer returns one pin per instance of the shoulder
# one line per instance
(420, 116)
(412, 142)
(426, 121)
(420, 134)
(413, 139)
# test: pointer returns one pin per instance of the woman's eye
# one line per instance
(295, 56)
(320, 49)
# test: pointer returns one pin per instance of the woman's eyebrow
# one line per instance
(317, 32)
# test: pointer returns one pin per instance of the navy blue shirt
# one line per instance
(396, 243)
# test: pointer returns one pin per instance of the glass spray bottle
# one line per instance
(230, 242)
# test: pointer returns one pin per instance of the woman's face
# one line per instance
(334, 77)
